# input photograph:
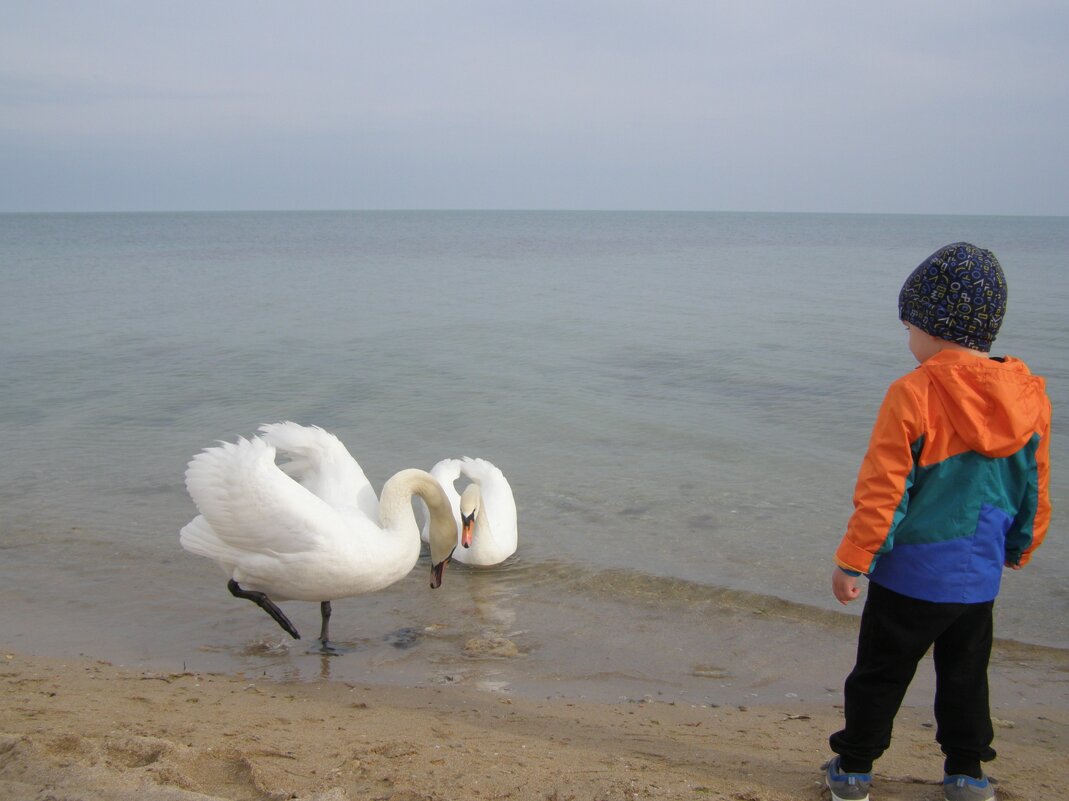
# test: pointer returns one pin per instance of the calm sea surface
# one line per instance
(680, 401)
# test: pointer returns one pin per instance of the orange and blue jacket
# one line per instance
(955, 481)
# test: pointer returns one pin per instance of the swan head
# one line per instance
(470, 504)
(442, 531)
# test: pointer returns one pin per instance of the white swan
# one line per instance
(485, 513)
(277, 539)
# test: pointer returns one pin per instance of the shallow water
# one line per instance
(680, 402)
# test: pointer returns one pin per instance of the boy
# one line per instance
(952, 488)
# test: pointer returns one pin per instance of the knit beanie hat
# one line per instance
(957, 294)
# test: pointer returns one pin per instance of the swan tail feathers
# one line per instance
(199, 538)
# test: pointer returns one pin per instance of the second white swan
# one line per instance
(485, 512)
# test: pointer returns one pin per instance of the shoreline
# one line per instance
(534, 630)
(86, 729)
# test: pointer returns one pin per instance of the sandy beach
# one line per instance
(87, 730)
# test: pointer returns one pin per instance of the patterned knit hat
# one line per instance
(957, 294)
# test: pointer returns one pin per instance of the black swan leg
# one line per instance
(264, 603)
(324, 632)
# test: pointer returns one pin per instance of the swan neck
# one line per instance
(395, 504)
(395, 508)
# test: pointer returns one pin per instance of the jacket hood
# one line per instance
(995, 404)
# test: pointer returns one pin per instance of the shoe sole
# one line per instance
(834, 797)
(992, 797)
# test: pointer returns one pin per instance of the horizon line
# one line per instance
(518, 210)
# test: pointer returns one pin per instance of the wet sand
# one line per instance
(87, 730)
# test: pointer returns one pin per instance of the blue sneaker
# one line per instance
(966, 788)
(847, 786)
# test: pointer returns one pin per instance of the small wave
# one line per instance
(632, 585)
(628, 585)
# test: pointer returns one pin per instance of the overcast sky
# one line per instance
(938, 106)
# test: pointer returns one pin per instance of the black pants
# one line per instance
(896, 632)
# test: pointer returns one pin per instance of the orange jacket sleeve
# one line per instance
(886, 474)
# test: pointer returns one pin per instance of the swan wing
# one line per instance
(252, 507)
(198, 537)
(322, 464)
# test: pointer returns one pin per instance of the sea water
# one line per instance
(679, 400)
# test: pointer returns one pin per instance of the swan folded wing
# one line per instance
(322, 464)
(253, 507)
(446, 472)
(496, 490)
(480, 470)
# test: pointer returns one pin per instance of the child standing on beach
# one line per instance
(952, 488)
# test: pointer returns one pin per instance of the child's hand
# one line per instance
(844, 587)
